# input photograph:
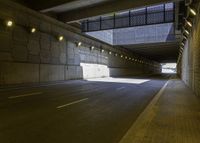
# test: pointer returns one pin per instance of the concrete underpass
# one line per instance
(99, 71)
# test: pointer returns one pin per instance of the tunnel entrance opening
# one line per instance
(169, 68)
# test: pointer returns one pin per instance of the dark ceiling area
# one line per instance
(161, 52)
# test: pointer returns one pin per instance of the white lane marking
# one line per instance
(24, 95)
(32, 86)
(71, 103)
(137, 130)
(120, 88)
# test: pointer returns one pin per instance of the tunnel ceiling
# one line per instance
(74, 10)
(161, 52)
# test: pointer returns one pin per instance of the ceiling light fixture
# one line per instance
(193, 11)
(189, 23)
(92, 48)
(187, 32)
(60, 38)
(9, 23)
(33, 30)
(79, 44)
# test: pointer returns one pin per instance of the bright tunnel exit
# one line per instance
(169, 67)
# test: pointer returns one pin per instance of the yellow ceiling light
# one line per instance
(189, 23)
(187, 32)
(193, 12)
(184, 37)
(60, 38)
(9, 23)
(33, 30)
(79, 44)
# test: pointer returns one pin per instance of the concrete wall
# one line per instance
(189, 65)
(40, 57)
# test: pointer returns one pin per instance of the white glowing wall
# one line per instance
(94, 70)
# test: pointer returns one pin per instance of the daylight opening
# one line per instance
(168, 67)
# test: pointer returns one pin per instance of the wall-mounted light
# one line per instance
(102, 50)
(189, 23)
(33, 30)
(60, 38)
(116, 54)
(187, 32)
(79, 44)
(92, 48)
(129, 58)
(110, 53)
(9, 23)
(126, 57)
(193, 11)
(184, 37)
(121, 56)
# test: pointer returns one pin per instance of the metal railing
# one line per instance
(131, 19)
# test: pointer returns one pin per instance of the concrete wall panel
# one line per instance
(51, 72)
(40, 57)
(189, 65)
(14, 73)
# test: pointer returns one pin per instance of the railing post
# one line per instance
(146, 16)
(129, 18)
(100, 22)
(164, 13)
(114, 21)
(174, 12)
(87, 25)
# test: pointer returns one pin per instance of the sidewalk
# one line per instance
(172, 117)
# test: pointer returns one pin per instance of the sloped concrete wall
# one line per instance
(40, 57)
(189, 68)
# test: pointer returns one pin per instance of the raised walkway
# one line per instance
(173, 116)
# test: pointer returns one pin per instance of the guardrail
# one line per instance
(130, 19)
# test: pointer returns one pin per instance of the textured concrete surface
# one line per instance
(173, 117)
(189, 65)
(77, 111)
(40, 57)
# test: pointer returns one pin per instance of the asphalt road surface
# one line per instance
(79, 111)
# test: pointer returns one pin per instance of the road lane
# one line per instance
(104, 118)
